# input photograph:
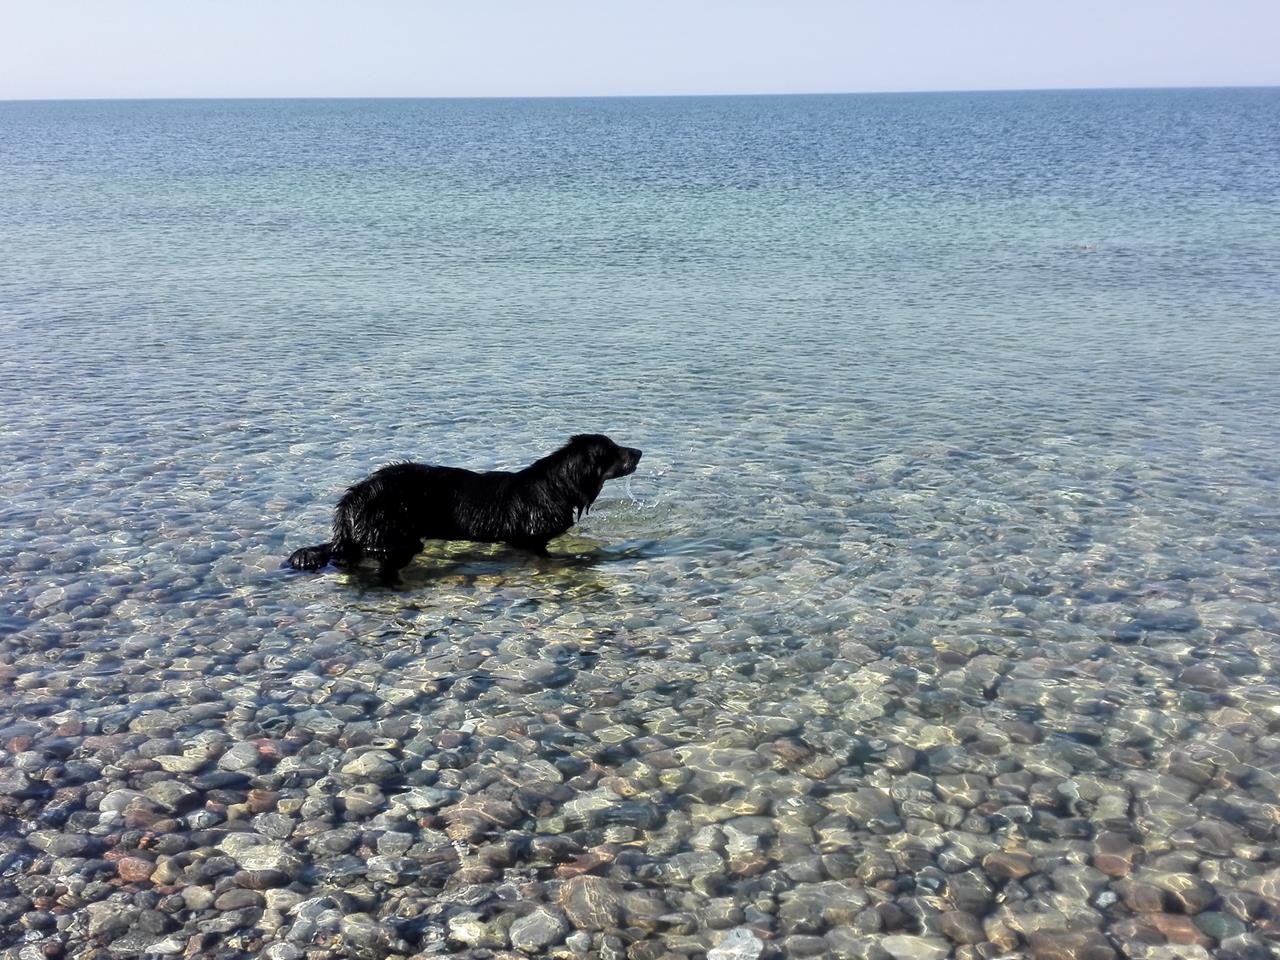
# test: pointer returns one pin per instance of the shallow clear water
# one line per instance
(959, 416)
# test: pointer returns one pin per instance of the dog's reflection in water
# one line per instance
(573, 565)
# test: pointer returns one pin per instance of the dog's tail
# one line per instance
(311, 558)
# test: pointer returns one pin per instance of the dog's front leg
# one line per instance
(395, 559)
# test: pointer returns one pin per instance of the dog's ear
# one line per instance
(582, 468)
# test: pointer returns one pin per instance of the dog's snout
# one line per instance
(625, 464)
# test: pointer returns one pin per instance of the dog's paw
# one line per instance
(309, 558)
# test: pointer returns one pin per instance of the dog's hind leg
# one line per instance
(348, 555)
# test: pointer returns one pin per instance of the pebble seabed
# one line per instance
(940, 746)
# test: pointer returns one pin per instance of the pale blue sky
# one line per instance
(303, 48)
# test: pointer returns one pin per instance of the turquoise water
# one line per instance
(959, 416)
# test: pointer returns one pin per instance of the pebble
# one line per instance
(238, 900)
(905, 947)
(740, 943)
(1007, 866)
(539, 929)
(960, 927)
(240, 758)
(1113, 854)
(134, 869)
(1070, 945)
(1185, 893)
(371, 765)
(592, 903)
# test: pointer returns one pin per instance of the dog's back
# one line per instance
(416, 499)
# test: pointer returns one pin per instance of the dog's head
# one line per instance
(605, 456)
(584, 463)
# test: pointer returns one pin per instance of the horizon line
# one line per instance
(642, 96)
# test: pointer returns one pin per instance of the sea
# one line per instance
(940, 618)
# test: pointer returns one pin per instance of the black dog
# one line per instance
(387, 515)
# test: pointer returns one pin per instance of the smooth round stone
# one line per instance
(906, 947)
(198, 898)
(238, 899)
(363, 799)
(543, 927)
(1007, 866)
(261, 879)
(592, 903)
(960, 927)
(241, 758)
(740, 943)
(372, 765)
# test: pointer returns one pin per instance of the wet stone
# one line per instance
(372, 765)
(274, 825)
(543, 927)
(117, 801)
(363, 931)
(1007, 866)
(1265, 885)
(1114, 854)
(241, 758)
(1185, 893)
(135, 869)
(1203, 677)
(722, 913)
(64, 844)
(970, 892)
(1070, 945)
(592, 903)
(1244, 946)
(261, 879)
(198, 898)
(1178, 928)
(905, 947)
(1079, 883)
(684, 867)
(251, 854)
(846, 944)
(110, 919)
(362, 800)
(173, 795)
(960, 927)
(1219, 926)
(867, 807)
(238, 900)
(804, 945)
(739, 943)
(963, 790)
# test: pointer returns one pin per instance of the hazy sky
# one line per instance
(254, 48)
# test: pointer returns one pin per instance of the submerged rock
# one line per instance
(739, 943)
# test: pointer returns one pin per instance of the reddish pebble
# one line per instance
(135, 869)
(262, 801)
(1179, 928)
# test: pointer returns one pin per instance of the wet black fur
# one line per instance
(388, 515)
